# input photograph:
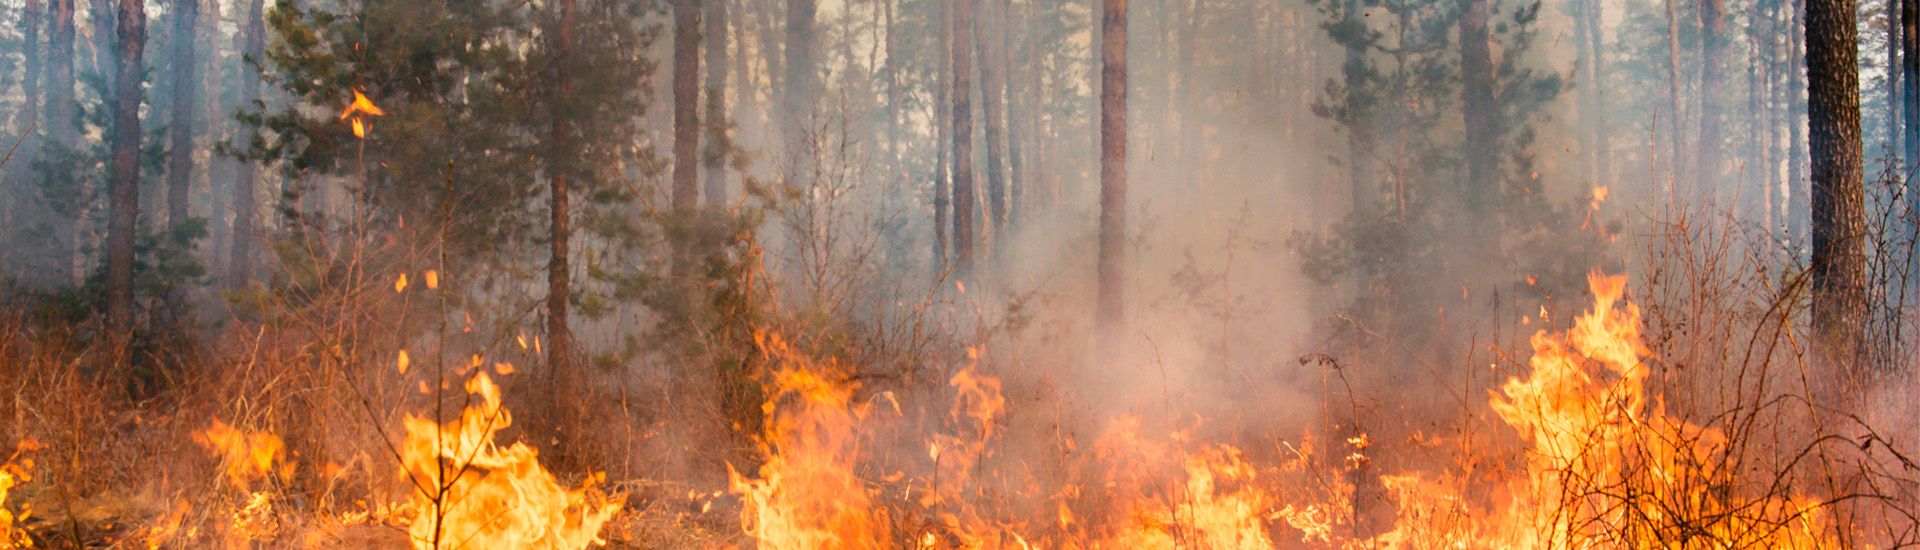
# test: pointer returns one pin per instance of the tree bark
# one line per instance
(186, 91)
(124, 191)
(797, 103)
(963, 191)
(245, 207)
(559, 171)
(1110, 312)
(1713, 69)
(1838, 198)
(718, 146)
(992, 93)
(686, 124)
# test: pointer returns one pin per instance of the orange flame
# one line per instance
(248, 456)
(472, 494)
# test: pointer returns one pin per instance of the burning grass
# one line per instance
(1579, 448)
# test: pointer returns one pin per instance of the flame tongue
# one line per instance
(472, 494)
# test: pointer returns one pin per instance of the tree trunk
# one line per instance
(58, 269)
(1359, 114)
(1798, 209)
(718, 146)
(890, 77)
(686, 125)
(31, 55)
(1586, 88)
(124, 191)
(1018, 97)
(559, 171)
(1892, 90)
(1777, 117)
(1602, 135)
(1838, 201)
(1910, 72)
(992, 92)
(23, 207)
(943, 112)
(963, 192)
(1110, 310)
(1713, 69)
(1480, 114)
(245, 233)
(103, 36)
(797, 103)
(1679, 141)
(186, 91)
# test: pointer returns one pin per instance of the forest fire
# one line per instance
(1605, 468)
(959, 274)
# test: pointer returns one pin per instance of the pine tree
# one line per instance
(1838, 196)
(125, 177)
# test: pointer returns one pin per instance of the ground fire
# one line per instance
(959, 274)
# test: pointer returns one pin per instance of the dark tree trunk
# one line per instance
(797, 103)
(1838, 198)
(963, 191)
(559, 171)
(186, 91)
(58, 269)
(718, 146)
(1910, 73)
(1110, 310)
(686, 100)
(124, 180)
(1479, 112)
(686, 125)
(992, 92)
(1713, 76)
(245, 233)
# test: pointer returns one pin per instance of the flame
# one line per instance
(807, 495)
(16, 470)
(1604, 467)
(473, 494)
(360, 108)
(248, 456)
